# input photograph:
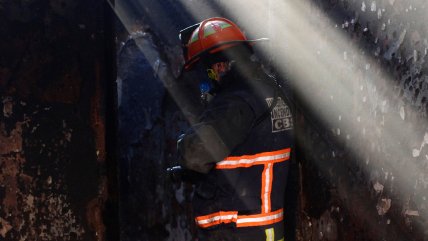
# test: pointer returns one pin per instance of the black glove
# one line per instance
(180, 174)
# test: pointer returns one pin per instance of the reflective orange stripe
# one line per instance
(266, 217)
(260, 219)
(257, 159)
(217, 218)
(267, 178)
(240, 220)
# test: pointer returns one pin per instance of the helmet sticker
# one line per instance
(194, 37)
(215, 27)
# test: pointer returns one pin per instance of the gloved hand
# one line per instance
(180, 174)
(175, 173)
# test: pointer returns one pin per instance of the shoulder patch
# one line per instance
(281, 117)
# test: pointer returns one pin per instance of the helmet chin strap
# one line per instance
(208, 85)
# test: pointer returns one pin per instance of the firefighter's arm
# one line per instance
(223, 126)
(201, 149)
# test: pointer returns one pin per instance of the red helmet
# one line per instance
(210, 36)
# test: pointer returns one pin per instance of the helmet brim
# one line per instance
(216, 48)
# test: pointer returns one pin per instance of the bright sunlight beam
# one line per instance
(344, 83)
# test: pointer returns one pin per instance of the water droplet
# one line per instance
(378, 187)
(416, 152)
(402, 113)
(373, 6)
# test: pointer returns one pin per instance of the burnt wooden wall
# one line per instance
(57, 121)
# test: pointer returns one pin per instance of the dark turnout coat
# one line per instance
(244, 152)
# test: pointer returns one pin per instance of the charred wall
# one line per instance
(359, 188)
(55, 81)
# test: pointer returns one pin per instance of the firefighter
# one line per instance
(242, 142)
